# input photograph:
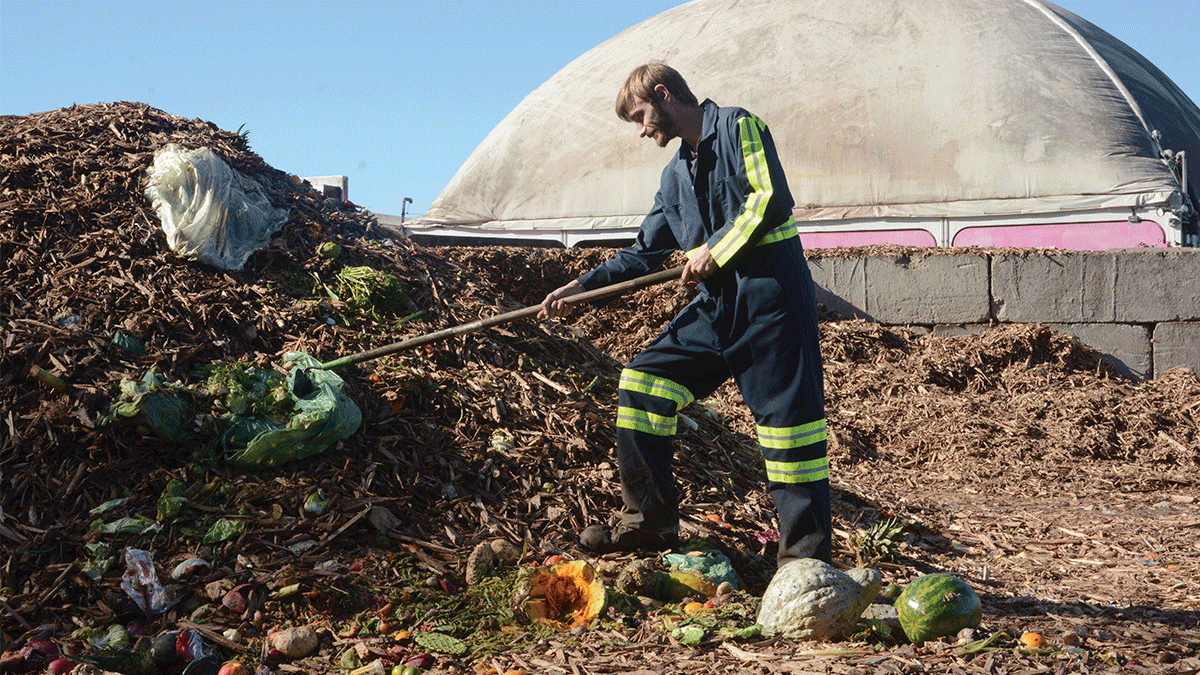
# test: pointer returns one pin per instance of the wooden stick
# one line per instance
(586, 296)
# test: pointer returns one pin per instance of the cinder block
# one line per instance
(1126, 347)
(960, 329)
(1043, 287)
(1156, 284)
(1176, 344)
(840, 285)
(927, 289)
(340, 183)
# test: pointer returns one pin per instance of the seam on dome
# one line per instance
(1100, 62)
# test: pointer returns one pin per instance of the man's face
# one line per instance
(653, 121)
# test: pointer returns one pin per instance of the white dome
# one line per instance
(882, 110)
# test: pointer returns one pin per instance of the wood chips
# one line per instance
(1065, 495)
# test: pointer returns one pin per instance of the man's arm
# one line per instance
(654, 243)
(767, 202)
(554, 305)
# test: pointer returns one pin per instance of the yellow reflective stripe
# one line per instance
(640, 420)
(784, 231)
(760, 191)
(785, 438)
(644, 383)
(798, 472)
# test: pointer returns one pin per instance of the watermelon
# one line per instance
(936, 605)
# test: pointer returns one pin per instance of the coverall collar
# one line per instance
(708, 129)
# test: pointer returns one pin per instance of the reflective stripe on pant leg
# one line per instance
(798, 480)
(794, 454)
(641, 391)
(646, 422)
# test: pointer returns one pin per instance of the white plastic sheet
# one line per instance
(208, 210)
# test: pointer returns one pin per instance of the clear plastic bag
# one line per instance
(208, 210)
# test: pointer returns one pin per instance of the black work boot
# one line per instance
(607, 539)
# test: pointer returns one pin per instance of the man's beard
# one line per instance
(665, 124)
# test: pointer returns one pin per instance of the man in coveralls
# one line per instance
(724, 200)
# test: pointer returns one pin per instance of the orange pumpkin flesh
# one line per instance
(565, 595)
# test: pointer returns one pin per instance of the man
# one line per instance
(724, 200)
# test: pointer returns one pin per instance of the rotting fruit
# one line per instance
(233, 668)
(564, 595)
(1033, 640)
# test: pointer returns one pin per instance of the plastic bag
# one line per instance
(708, 563)
(140, 582)
(324, 416)
(207, 209)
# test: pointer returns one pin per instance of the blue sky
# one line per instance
(394, 95)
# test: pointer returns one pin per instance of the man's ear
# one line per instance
(664, 94)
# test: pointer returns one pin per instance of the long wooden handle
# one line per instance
(508, 317)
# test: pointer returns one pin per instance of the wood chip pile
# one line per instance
(507, 432)
(83, 259)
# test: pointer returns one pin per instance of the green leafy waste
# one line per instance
(373, 292)
(259, 417)
(237, 389)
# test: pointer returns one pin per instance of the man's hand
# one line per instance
(554, 306)
(700, 266)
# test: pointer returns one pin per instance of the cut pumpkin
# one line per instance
(565, 595)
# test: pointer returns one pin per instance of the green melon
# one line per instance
(936, 605)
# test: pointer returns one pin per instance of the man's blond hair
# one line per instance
(640, 84)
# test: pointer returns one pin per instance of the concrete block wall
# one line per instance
(1140, 308)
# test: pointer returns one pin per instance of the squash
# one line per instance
(563, 596)
(809, 599)
(937, 605)
(676, 586)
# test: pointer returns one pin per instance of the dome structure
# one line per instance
(941, 122)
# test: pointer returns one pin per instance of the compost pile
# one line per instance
(1065, 495)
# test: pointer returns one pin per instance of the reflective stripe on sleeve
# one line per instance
(761, 190)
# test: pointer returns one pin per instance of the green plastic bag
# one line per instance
(324, 415)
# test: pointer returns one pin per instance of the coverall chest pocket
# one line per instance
(672, 210)
(730, 193)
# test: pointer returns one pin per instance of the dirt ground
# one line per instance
(1066, 496)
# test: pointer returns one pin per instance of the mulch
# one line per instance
(1066, 495)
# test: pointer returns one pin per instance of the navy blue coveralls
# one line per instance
(754, 320)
